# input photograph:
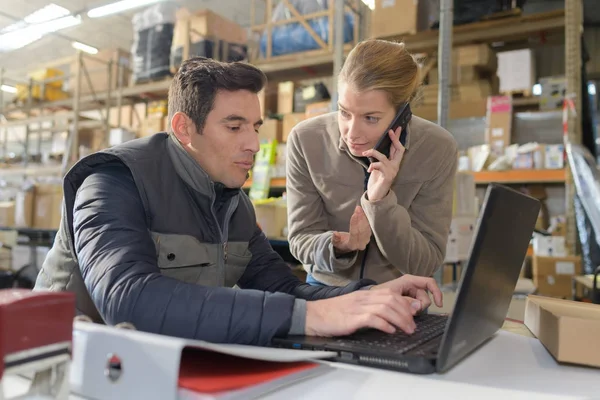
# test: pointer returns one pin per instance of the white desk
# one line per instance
(519, 365)
(508, 365)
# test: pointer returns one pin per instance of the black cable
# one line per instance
(364, 260)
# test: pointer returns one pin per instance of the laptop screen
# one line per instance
(485, 291)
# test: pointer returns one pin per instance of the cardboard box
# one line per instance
(48, 206)
(268, 101)
(121, 135)
(462, 74)
(285, 97)
(460, 238)
(553, 275)
(24, 207)
(289, 122)
(131, 116)
(397, 17)
(549, 246)
(271, 216)
(206, 23)
(319, 108)
(7, 214)
(93, 139)
(476, 55)
(463, 92)
(309, 93)
(448, 274)
(270, 130)
(524, 161)
(499, 123)
(152, 125)
(209, 35)
(558, 225)
(516, 70)
(158, 108)
(480, 157)
(554, 89)
(97, 70)
(569, 330)
(554, 156)
(465, 201)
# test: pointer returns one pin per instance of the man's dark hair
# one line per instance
(195, 85)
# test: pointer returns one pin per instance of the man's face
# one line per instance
(363, 117)
(225, 149)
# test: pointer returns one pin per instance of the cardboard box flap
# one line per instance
(574, 309)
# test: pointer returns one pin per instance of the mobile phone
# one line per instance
(402, 119)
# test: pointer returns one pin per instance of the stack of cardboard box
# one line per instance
(290, 103)
(516, 70)
(498, 153)
(473, 76)
(208, 34)
(156, 119)
(37, 206)
(553, 266)
(390, 18)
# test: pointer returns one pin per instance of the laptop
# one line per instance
(485, 290)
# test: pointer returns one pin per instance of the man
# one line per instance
(156, 232)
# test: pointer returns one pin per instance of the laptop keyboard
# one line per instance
(429, 326)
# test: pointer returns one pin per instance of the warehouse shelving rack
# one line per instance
(66, 114)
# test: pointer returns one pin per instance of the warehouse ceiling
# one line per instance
(106, 32)
(116, 30)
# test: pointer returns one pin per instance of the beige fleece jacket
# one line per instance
(410, 225)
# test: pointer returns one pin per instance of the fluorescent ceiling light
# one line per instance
(44, 14)
(22, 37)
(47, 13)
(48, 19)
(8, 89)
(369, 3)
(85, 48)
(118, 7)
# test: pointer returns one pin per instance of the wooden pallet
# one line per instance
(514, 12)
(149, 80)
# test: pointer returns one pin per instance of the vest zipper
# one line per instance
(224, 232)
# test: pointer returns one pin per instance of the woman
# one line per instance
(400, 223)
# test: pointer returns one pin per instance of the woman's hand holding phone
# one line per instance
(384, 170)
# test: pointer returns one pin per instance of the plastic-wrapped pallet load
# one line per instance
(153, 35)
(293, 37)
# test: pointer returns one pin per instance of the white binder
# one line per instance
(112, 363)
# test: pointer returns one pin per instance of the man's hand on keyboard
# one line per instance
(383, 309)
(416, 287)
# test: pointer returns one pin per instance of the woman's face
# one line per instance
(363, 117)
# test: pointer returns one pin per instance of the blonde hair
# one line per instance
(382, 65)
